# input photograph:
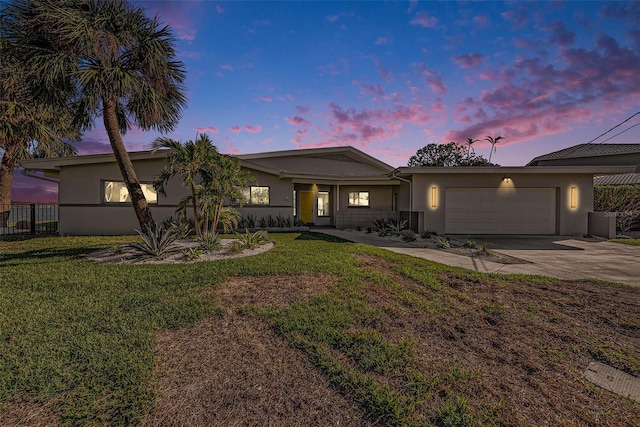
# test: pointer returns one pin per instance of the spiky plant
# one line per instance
(156, 241)
(209, 241)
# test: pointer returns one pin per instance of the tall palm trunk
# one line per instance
(6, 180)
(195, 211)
(139, 202)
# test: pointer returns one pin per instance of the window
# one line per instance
(256, 195)
(116, 192)
(359, 199)
(323, 203)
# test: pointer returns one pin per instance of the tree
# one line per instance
(470, 142)
(493, 142)
(105, 57)
(27, 128)
(222, 181)
(186, 160)
(212, 178)
(450, 154)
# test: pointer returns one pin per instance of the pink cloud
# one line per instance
(176, 16)
(481, 20)
(211, 129)
(383, 41)
(219, 9)
(518, 17)
(468, 60)
(266, 98)
(431, 77)
(532, 98)
(332, 18)
(253, 129)
(227, 67)
(235, 129)
(297, 121)
(33, 191)
(422, 19)
(230, 148)
(560, 35)
(302, 109)
(371, 89)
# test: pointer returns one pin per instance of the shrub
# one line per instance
(209, 241)
(443, 244)
(380, 223)
(426, 234)
(623, 201)
(396, 227)
(408, 235)
(156, 241)
(470, 244)
(117, 249)
(192, 254)
(253, 240)
(383, 232)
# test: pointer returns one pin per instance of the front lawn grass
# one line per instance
(410, 342)
(634, 242)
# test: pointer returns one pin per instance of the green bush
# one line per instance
(623, 201)
(209, 241)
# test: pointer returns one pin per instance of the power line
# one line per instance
(629, 128)
(618, 125)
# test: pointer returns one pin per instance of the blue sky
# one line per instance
(391, 77)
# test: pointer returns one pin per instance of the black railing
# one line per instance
(28, 218)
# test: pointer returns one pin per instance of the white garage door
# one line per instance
(500, 211)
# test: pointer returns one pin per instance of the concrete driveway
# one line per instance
(561, 257)
(569, 257)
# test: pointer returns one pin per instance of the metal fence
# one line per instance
(28, 218)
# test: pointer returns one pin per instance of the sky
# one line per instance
(391, 77)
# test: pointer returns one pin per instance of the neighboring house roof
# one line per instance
(587, 150)
(622, 179)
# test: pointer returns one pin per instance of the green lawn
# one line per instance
(409, 341)
(635, 242)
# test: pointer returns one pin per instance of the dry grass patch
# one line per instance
(232, 369)
(23, 413)
(513, 353)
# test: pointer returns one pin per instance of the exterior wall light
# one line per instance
(507, 179)
(574, 197)
(434, 196)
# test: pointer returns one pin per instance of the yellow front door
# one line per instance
(306, 206)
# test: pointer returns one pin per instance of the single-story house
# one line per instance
(342, 187)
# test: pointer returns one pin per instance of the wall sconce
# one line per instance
(574, 197)
(506, 179)
(434, 196)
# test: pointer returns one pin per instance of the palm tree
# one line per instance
(116, 62)
(186, 160)
(470, 142)
(27, 128)
(493, 142)
(222, 181)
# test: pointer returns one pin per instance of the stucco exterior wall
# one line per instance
(569, 220)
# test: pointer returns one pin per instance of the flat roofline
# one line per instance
(534, 170)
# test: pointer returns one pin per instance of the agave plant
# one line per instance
(209, 241)
(156, 241)
(396, 227)
(251, 240)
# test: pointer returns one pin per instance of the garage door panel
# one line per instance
(500, 211)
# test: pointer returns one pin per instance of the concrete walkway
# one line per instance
(561, 257)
